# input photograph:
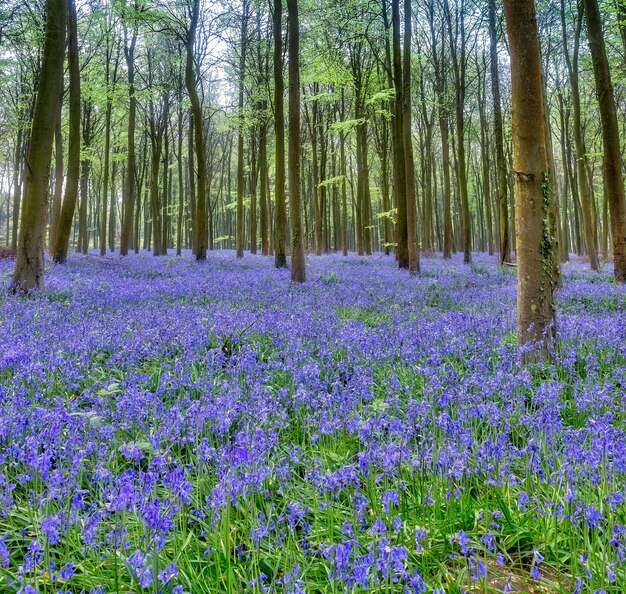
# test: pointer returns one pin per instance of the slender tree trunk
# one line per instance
(28, 273)
(503, 204)
(17, 184)
(113, 209)
(240, 139)
(612, 160)
(298, 272)
(58, 182)
(196, 108)
(344, 181)
(411, 209)
(400, 184)
(440, 83)
(535, 310)
(73, 157)
(85, 167)
(130, 191)
(459, 67)
(280, 224)
(584, 188)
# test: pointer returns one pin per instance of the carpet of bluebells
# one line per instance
(168, 427)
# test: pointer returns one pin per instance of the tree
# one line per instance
(241, 125)
(298, 272)
(584, 188)
(28, 273)
(73, 158)
(280, 224)
(503, 206)
(407, 139)
(613, 175)
(535, 308)
(130, 41)
(196, 108)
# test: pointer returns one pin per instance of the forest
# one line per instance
(312, 296)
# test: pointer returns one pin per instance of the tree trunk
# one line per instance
(612, 160)
(240, 147)
(129, 204)
(411, 210)
(58, 182)
(581, 151)
(73, 156)
(298, 272)
(535, 310)
(28, 273)
(280, 224)
(503, 204)
(196, 108)
(402, 248)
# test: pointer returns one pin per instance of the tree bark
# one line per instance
(280, 223)
(196, 108)
(58, 182)
(535, 310)
(298, 272)
(612, 160)
(407, 132)
(503, 204)
(240, 138)
(28, 273)
(129, 204)
(581, 151)
(73, 156)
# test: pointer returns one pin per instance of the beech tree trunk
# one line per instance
(240, 140)
(535, 309)
(280, 223)
(28, 273)
(130, 191)
(58, 182)
(73, 155)
(298, 272)
(503, 204)
(581, 150)
(411, 208)
(196, 108)
(612, 161)
(399, 177)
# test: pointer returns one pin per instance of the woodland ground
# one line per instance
(173, 427)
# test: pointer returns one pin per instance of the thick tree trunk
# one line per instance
(298, 273)
(612, 161)
(28, 273)
(535, 310)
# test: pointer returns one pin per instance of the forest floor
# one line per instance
(170, 427)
